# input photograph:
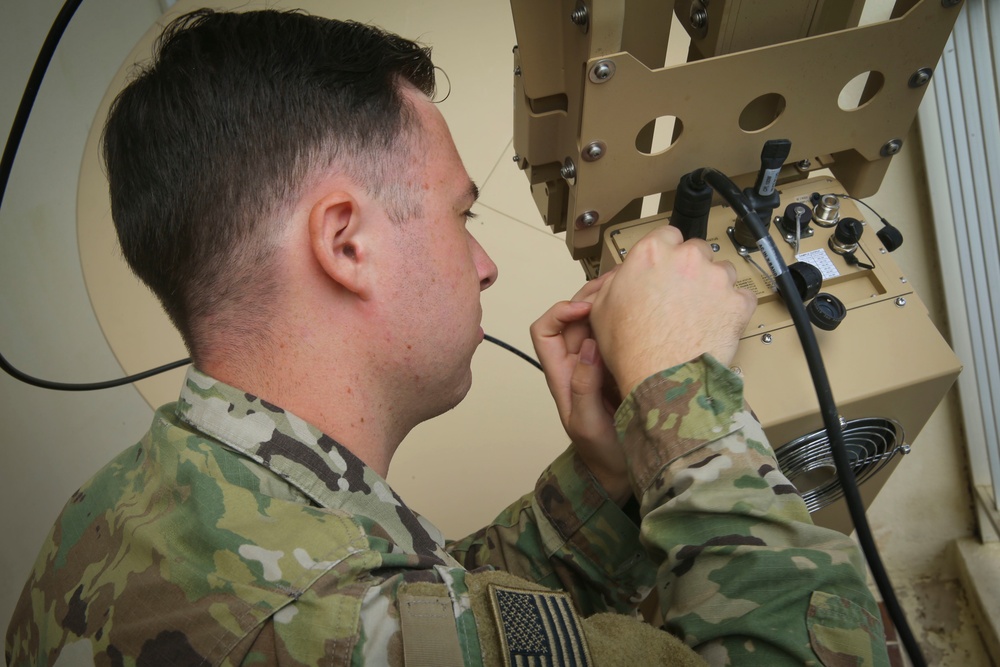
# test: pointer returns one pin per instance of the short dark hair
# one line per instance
(208, 146)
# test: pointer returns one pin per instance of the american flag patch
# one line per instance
(538, 629)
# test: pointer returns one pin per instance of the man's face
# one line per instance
(441, 271)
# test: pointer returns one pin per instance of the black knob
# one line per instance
(807, 278)
(848, 231)
(797, 216)
(890, 237)
(826, 311)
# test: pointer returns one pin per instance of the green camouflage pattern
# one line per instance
(234, 533)
(744, 576)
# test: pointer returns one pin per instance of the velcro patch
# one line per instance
(538, 628)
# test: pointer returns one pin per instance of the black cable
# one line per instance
(108, 384)
(828, 409)
(511, 348)
(31, 91)
(6, 167)
(863, 203)
(88, 386)
(890, 237)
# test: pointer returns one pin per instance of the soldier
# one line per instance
(300, 212)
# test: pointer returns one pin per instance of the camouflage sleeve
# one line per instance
(567, 535)
(744, 575)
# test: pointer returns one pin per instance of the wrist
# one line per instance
(615, 484)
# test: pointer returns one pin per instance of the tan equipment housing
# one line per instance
(589, 88)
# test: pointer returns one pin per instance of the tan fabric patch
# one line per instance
(430, 636)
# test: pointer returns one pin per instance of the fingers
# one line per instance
(550, 343)
(588, 412)
(558, 317)
(729, 269)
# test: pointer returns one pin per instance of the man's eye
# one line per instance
(469, 215)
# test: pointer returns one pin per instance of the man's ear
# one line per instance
(338, 241)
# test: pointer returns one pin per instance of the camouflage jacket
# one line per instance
(235, 533)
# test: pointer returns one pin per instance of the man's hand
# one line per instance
(667, 304)
(576, 377)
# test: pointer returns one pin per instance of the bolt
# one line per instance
(593, 151)
(716, 247)
(587, 218)
(766, 339)
(891, 147)
(568, 170)
(622, 252)
(736, 369)
(517, 71)
(602, 71)
(882, 250)
(902, 280)
(517, 158)
(921, 77)
(900, 301)
(904, 449)
(803, 165)
(699, 18)
(579, 16)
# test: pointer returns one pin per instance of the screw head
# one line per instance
(587, 219)
(716, 247)
(900, 301)
(767, 339)
(921, 77)
(602, 71)
(891, 147)
(517, 71)
(594, 151)
(568, 171)
(803, 165)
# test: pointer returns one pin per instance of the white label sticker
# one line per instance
(821, 261)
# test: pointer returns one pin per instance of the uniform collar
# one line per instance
(308, 459)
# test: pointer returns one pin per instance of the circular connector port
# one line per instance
(826, 311)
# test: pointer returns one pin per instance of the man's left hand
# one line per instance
(577, 379)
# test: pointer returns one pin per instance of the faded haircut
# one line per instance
(208, 147)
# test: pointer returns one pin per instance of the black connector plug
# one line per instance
(691, 208)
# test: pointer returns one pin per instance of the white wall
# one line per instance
(52, 442)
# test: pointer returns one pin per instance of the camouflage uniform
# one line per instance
(236, 533)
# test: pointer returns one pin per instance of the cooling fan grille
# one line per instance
(871, 443)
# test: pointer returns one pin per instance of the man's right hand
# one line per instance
(668, 304)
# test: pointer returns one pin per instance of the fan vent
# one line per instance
(806, 461)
